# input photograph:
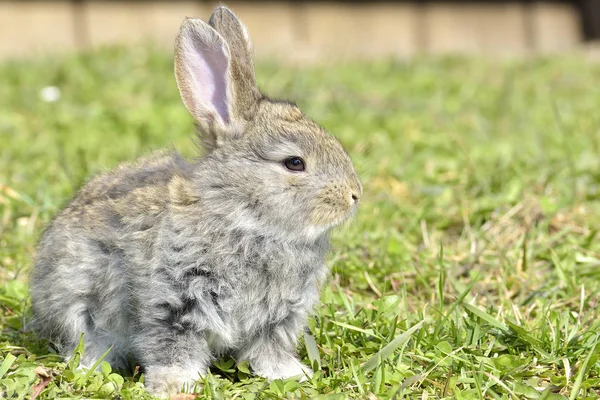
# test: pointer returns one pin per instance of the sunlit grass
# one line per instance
(472, 269)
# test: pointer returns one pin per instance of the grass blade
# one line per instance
(384, 353)
(369, 332)
(442, 277)
(98, 361)
(581, 373)
(484, 316)
(312, 350)
(6, 364)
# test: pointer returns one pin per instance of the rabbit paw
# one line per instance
(283, 369)
(163, 381)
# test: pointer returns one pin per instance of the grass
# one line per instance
(472, 270)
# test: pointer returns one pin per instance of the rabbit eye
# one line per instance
(294, 164)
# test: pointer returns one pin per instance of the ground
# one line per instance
(471, 271)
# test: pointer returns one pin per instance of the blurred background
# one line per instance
(313, 30)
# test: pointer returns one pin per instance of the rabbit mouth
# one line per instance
(328, 219)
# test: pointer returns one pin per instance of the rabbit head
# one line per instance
(266, 163)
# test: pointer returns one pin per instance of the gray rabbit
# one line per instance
(176, 262)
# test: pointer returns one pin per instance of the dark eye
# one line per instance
(294, 164)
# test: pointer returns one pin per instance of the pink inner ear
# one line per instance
(207, 65)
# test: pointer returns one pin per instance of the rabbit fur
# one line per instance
(175, 262)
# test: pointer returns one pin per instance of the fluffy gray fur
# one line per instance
(175, 262)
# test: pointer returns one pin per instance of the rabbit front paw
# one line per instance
(164, 381)
(282, 369)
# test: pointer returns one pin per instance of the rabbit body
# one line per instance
(175, 262)
(132, 263)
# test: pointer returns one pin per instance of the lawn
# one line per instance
(471, 271)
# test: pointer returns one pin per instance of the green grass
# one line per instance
(472, 270)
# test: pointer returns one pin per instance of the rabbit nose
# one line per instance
(355, 191)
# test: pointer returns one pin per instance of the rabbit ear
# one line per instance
(224, 21)
(203, 74)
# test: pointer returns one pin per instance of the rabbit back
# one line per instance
(85, 266)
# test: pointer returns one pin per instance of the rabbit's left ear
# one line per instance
(246, 92)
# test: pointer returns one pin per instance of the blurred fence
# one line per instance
(305, 30)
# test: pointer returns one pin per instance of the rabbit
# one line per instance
(172, 262)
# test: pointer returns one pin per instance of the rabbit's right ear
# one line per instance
(203, 74)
